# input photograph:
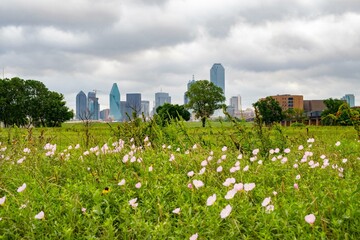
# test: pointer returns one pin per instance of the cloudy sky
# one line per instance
(268, 47)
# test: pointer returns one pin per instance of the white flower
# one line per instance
(295, 165)
(274, 193)
(194, 237)
(266, 201)
(255, 151)
(301, 147)
(287, 150)
(198, 183)
(269, 208)
(224, 148)
(249, 186)
(344, 160)
(310, 218)
(40, 215)
(2, 200)
(229, 181)
(210, 201)
(150, 168)
(195, 146)
(230, 194)
(204, 163)
(298, 177)
(190, 174)
(238, 186)
(246, 168)
(226, 211)
(176, 211)
(21, 188)
(202, 171)
(138, 185)
(133, 202)
(122, 182)
(219, 169)
(337, 143)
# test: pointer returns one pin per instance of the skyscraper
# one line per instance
(235, 102)
(115, 112)
(186, 100)
(161, 98)
(81, 106)
(145, 108)
(217, 76)
(133, 104)
(93, 106)
(350, 99)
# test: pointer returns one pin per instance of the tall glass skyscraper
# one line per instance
(93, 106)
(115, 112)
(81, 106)
(186, 100)
(217, 76)
(133, 104)
(350, 99)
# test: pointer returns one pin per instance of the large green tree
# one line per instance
(268, 111)
(332, 116)
(169, 112)
(204, 98)
(29, 102)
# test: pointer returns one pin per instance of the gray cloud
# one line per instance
(300, 47)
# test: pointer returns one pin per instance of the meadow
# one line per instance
(139, 180)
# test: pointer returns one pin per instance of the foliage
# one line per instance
(332, 116)
(268, 111)
(204, 98)
(29, 102)
(169, 112)
(295, 114)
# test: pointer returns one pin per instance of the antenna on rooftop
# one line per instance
(193, 77)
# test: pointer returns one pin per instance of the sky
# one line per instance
(267, 47)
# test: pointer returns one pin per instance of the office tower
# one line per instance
(133, 104)
(81, 106)
(93, 106)
(217, 76)
(123, 111)
(105, 115)
(161, 98)
(235, 102)
(350, 99)
(145, 108)
(186, 100)
(115, 112)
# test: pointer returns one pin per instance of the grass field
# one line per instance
(141, 181)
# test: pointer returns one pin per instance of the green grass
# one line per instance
(67, 183)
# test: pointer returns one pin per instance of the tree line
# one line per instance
(31, 103)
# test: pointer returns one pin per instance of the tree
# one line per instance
(332, 116)
(168, 112)
(204, 98)
(294, 114)
(29, 102)
(268, 110)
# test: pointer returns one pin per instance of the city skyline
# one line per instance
(272, 47)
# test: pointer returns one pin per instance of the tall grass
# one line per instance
(84, 192)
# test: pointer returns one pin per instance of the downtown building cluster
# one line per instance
(88, 107)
